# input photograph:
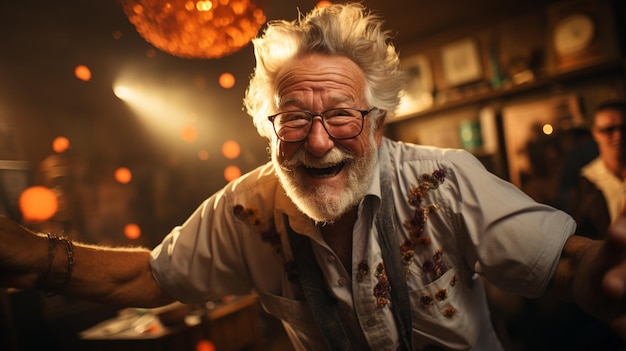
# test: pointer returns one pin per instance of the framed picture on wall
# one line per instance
(536, 138)
(418, 94)
(461, 63)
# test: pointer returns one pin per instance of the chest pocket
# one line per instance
(296, 318)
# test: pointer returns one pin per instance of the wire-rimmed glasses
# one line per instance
(339, 123)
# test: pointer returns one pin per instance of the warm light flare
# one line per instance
(204, 5)
(231, 149)
(123, 175)
(82, 72)
(232, 173)
(60, 144)
(38, 203)
(189, 134)
(203, 155)
(547, 129)
(322, 3)
(205, 345)
(123, 92)
(132, 231)
(227, 80)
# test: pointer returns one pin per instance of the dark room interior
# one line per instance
(125, 171)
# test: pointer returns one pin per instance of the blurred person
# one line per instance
(600, 193)
(352, 240)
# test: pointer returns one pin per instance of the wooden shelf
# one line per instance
(513, 90)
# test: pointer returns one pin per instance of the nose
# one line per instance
(318, 143)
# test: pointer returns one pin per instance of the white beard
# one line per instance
(326, 203)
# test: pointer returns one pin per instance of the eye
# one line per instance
(291, 116)
(339, 112)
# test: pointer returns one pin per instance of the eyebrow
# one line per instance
(332, 102)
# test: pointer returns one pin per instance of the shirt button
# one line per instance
(371, 322)
(331, 258)
(341, 281)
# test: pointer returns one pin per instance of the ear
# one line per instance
(380, 127)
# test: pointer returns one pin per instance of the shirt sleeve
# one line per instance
(201, 260)
(513, 241)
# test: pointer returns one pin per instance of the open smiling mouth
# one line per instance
(325, 172)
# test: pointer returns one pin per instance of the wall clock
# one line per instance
(574, 34)
(581, 34)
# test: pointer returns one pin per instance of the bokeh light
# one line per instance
(132, 231)
(203, 155)
(205, 345)
(60, 144)
(322, 3)
(547, 129)
(232, 173)
(123, 175)
(82, 72)
(38, 203)
(231, 149)
(189, 134)
(227, 80)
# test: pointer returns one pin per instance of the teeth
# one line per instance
(323, 171)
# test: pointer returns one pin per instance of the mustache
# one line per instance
(331, 158)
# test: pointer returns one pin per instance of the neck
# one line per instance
(338, 236)
(617, 167)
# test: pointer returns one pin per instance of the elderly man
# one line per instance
(352, 240)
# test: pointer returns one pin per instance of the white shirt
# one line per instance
(613, 188)
(477, 224)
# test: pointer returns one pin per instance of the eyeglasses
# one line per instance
(339, 123)
(611, 129)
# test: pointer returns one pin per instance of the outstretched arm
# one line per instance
(116, 276)
(593, 274)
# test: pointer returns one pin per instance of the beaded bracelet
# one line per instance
(52, 243)
(69, 251)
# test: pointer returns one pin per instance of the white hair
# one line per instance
(340, 29)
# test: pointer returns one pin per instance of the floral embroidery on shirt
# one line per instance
(268, 233)
(435, 267)
(415, 223)
(382, 288)
(426, 300)
(363, 270)
(449, 312)
(441, 294)
(453, 280)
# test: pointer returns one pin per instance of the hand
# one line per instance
(23, 255)
(614, 281)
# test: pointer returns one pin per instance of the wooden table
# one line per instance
(231, 325)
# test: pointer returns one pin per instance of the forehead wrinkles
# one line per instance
(338, 77)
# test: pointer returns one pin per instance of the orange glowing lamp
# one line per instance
(195, 29)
